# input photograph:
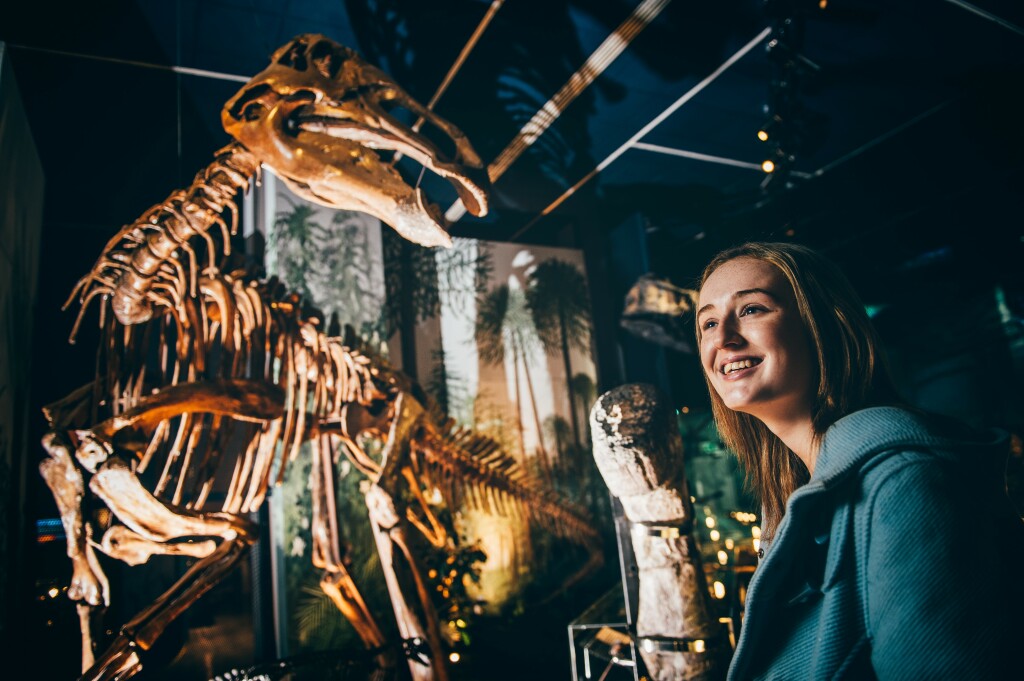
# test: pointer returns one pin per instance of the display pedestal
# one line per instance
(601, 638)
(600, 645)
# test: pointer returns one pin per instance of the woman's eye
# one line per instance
(709, 324)
(750, 309)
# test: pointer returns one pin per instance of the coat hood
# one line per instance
(854, 439)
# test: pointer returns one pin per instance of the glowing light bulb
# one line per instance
(755, 532)
(762, 135)
(715, 536)
(709, 521)
(729, 544)
(768, 166)
(53, 592)
(719, 590)
(723, 557)
(454, 657)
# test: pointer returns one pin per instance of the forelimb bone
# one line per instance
(89, 586)
(88, 583)
(336, 581)
(390, 523)
(132, 548)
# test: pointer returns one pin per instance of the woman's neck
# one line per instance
(798, 434)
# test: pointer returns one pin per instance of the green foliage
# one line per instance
(290, 234)
(331, 265)
(430, 274)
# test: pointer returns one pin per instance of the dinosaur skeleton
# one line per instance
(209, 381)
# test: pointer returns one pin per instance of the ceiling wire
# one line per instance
(461, 59)
(452, 72)
(657, 120)
(607, 52)
(183, 70)
(987, 15)
(708, 158)
(881, 138)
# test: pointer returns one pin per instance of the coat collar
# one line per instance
(854, 439)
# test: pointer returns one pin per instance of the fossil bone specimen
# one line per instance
(639, 452)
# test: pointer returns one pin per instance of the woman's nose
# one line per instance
(727, 334)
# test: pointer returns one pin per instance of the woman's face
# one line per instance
(753, 345)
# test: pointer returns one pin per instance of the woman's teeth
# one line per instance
(742, 364)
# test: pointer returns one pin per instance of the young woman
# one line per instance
(889, 548)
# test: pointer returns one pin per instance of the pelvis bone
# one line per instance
(316, 115)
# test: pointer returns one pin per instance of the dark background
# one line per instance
(902, 120)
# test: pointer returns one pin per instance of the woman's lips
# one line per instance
(739, 372)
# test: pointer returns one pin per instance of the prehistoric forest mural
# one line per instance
(499, 336)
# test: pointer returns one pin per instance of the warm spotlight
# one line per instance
(768, 166)
(454, 657)
(769, 129)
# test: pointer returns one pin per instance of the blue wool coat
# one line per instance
(901, 558)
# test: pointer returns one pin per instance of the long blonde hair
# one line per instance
(851, 370)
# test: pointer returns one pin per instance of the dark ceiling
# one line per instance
(902, 119)
(907, 112)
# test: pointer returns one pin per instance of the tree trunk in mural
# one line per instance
(519, 405)
(543, 452)
(585, 393)
(491, 331)
(568, 376)
(557, 298)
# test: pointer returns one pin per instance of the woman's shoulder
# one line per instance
(894, 435)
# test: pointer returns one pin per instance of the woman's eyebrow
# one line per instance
(752, 291)
(742, 294)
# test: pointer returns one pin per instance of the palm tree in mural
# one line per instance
(504, 322)
(556, 294)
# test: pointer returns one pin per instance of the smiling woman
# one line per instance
(850, 586)
(814, 355)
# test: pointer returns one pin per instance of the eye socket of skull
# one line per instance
(248, 105)
(327, 59)
(294, 55)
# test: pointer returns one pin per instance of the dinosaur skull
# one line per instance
(316, 116)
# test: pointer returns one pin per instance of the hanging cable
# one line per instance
(656, 121)
(461, 59)
(183, 70)
(607, 52)
(452, 72)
